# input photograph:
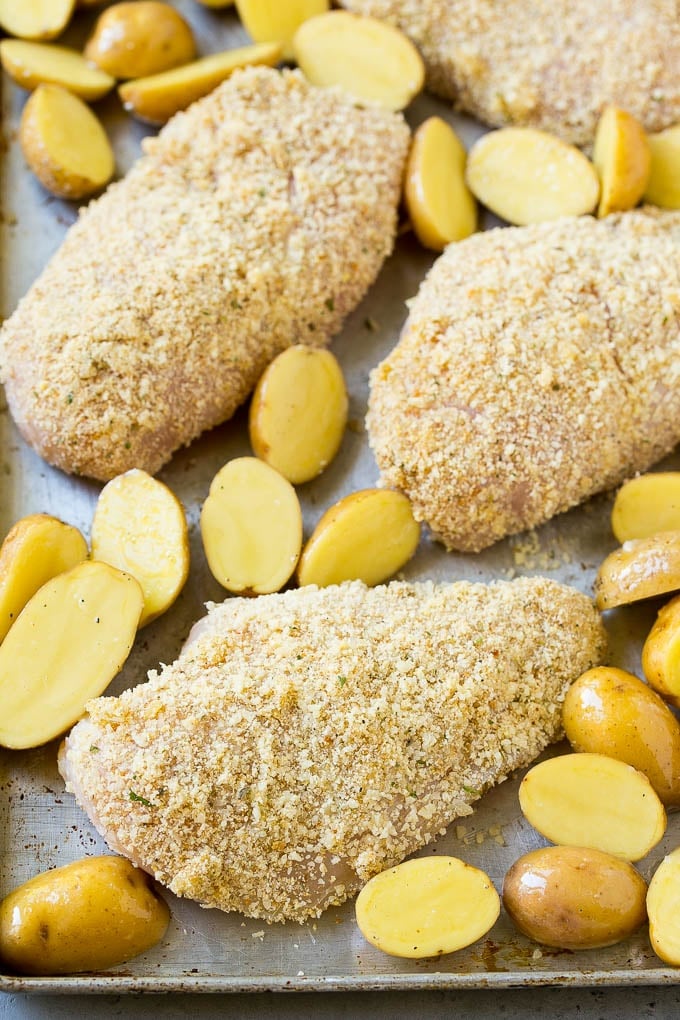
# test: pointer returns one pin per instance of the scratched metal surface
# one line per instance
(40, 827)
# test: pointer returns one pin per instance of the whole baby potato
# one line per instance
(133, 40)
(574, 898)
(88, 915)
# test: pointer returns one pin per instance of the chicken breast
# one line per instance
(305, 741)
(257, 219)
(538, 366)
(551, 64)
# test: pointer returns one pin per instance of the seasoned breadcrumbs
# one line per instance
(538, 366)
(305, 741)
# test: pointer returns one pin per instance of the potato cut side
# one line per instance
(641, 569)
(68, 644)
(366, 536)
(35, 550)
(663, 187)
(370, 59)
(661, 653)
(663, 908)
(64, 144)
(622, 158)
(298, 412)
(441, 207)
(529, 176)
(33, 64)
(157, 98)
(594, 801)
(251, 524)
(647, 504)
(35, 19)
(277, 21)
(135, 39)
(427, 907)
(140, 527)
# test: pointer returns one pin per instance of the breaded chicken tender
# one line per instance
(538, 366)
(257, 219)
(304, 741)
(550, 64)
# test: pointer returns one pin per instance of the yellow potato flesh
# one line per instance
(647, 504)
(132, 40)
(370, 59)
(274, 21)
(574, 897)
(157, 98)
(33, 64)
(608, 711)
(139, 527)
(663, 187)
(366, 536)
(68, 643)
(94, 913)
(440, 205)
(622, 159)
(427, 907)
(591, 800)
(251, 525)
(35, 19)
(529, 176)
(641, 569)
(298, 413)
(64, 144)
(663, 908)
(36, 549)
(661, 653)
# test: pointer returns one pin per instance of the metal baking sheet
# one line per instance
(41, 828)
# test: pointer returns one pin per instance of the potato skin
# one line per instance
(574, 898)
(132, 40)
(94, 913)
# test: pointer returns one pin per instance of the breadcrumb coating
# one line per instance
(538, 366)
(305, 741)
(257, 219)
(551, 64)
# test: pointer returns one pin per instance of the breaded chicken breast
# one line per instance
(304, 741)
(551, 64)
(257, 219)
(538, 366)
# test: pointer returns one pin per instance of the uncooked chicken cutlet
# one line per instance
(257, 219)
(538, 366)
(304, 741)
(550, 64)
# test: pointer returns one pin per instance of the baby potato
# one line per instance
(132, 40)
(663, 907)
(298, 412)
(92, 914)
(622, 158)
(273, 21)
(439, 203)
(574, 897)
(67, 645)
(139, 526)
(251, 525)
(647, 504)
(64, 144)
(366, 536)
(663, 187)
(35, 550)
(642, 568)
(427, 907)
(528, 176)
(608, 711)
(661, 653)
(372, 60)
(32, 64)
(594, 801)
(157, 98)
(35, 19)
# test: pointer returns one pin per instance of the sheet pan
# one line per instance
(40, 827)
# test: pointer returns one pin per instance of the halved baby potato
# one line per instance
(32, 64)
(663, 908)
(157, 98)
(641, 569)
(647, 504)
(277, 21)
(139, 526)
(622, 158)
(64, 143)
(35, 19)
(661, 653)
(663, 187)
(132, 40)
